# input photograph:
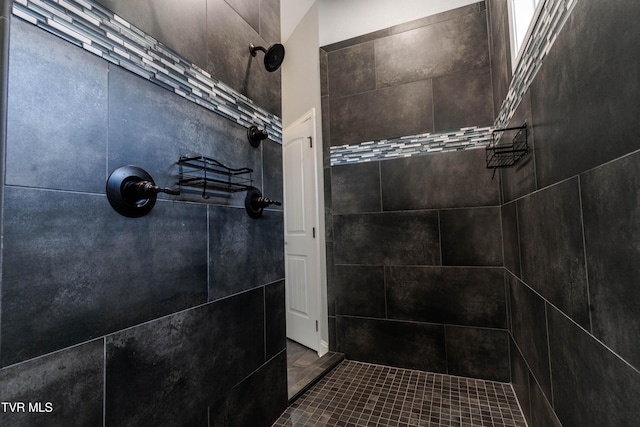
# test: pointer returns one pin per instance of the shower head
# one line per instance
(273, 56)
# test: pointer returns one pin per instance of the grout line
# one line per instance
(546, 319)
(584, 249)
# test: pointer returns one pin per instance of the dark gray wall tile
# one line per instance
(229, 59)
(270, 21)
(244, 252)
(70, 380)
(324, 75)
(328, 205)
(249, 10)
(355, 188)
(151, 128)
(444, 180)
(458, 296)
(331, 287)
(510, 237)
(385, 113)
(542, 414)
(49, 144)
(520, 179)
(478, 353)
(611, 202)
(167, 371)
(352, 70)
(247, 404)
(551, 248)
(385, 342)
(529, 328)
(520, 379)
(500, 50)
(581, 118)
(275, 320)
(359, 291)
(272, 172)
(471, 237)
(581, 366)
(74, 269)
(463, 99)
(166, 21)
(398, 238)
(441, 48)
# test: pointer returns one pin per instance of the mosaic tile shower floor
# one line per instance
(359, 394)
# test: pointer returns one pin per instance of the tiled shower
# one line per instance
(526, 277)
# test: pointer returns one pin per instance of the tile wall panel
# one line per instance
(168, 371)
(387, 343)
(428, 182)
(477, 353)
(581, 366)
(247, 253)
(433, 50)
(453, 296)
(359, 290)
(410, 103)
(400, 238)
(356, 188)
(67, 279)
(70, 381)
(39, 142)
(551, 248)
(611, 202)
(479, 229)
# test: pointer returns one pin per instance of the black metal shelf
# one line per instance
(501, 154)
(212, 176)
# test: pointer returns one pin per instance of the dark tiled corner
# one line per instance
(471, 237)
(552, 250)
(458, 296)
(426, 182)
(247, 404)
(356, 188)
(520, 179)
(581, 366)
(510, 238)
(272, 172)
(520, 379)
(164, 372)
(478, 353)
(269, 20)
(70, 381)
(359, 290)
(542, 414)
(401, 238)
(238, 241)
(529, 329)
(611, 210)
(384, 342)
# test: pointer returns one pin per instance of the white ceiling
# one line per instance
(344, 19)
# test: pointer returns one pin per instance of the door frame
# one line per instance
(320, 241)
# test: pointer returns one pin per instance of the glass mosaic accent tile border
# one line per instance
(406, 146)
(361, 394)
(94, 28)
(553, 15)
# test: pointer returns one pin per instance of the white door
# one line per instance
(302, 262)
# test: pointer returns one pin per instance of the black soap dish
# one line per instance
(507, 146)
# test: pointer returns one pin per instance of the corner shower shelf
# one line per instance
(212, 176)
(505, 154)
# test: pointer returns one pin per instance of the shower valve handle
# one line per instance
(145, 188)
